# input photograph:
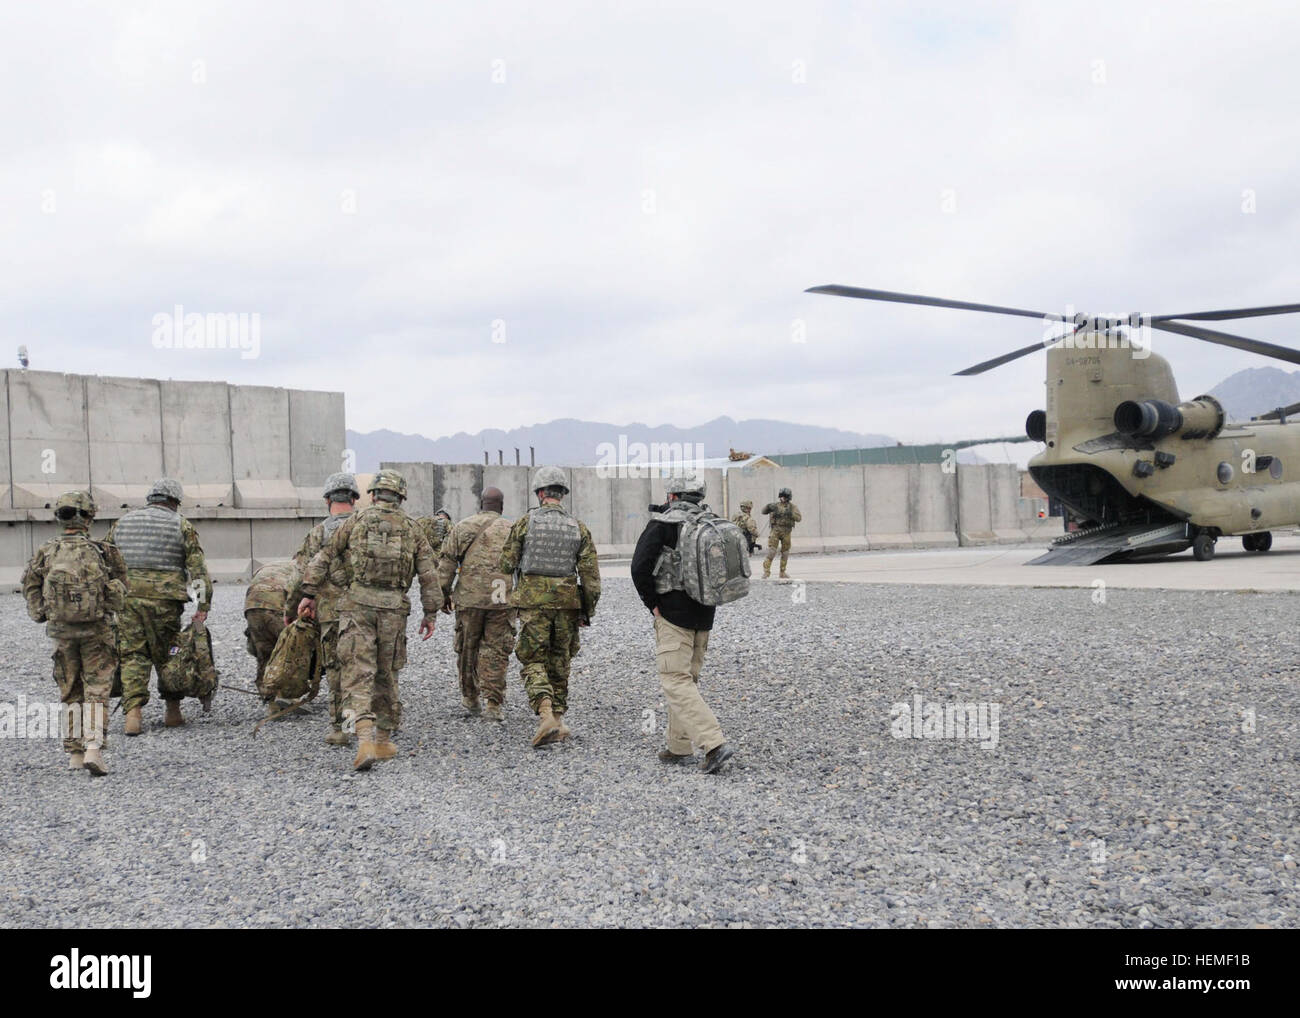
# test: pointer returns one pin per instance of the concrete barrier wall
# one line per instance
(196, 441)
(849, 508)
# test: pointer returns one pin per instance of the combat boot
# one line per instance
(667, 756)
(564, 732)
(76, 761)
(547, 726)
(92, 727)
(492, 712)
(471, 704)
(174, 718)
(384, 748)
(784, 575)
(133, 721)
(366, 754)
(337, 737)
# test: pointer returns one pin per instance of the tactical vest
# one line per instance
(151, 538)
(381, 550)
(783, 515)
(552, 543)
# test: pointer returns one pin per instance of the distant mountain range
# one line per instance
(573, 443)
(1254, 391)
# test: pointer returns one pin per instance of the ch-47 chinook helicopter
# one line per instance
(1143, 472)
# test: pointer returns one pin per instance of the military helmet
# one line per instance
(747, 504)
(784, 493)
(685, 484)
(341, 481)
(165, 490)
(77, 501)
(549, 477)
(388, 480)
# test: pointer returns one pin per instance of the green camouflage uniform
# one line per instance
(85, 653)
(549, 611)
(784, 516)
(383, 550)
(151, 620)
(327, 605)
(264, 611)
(746, 523)
(485, 625)
(435, 530)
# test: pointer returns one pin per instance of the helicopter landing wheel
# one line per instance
(1260, 542)
(1203, 548)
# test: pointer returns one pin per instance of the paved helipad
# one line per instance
(1232, 568)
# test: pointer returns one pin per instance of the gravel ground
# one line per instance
(1128, 786)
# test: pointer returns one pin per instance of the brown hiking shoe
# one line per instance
(366, 754)
(133, 721)
(547, 727)
(174, 718)
(337, 737)
(492, 712)
(669, 757)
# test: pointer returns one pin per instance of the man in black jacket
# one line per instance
(682, 627)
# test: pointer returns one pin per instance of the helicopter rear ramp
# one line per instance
(1109, 544)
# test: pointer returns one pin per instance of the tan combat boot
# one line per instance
(547, 727)
(173, 718)
(337, 737)
(365, 746)
(133, 721)
(384, 748)
(471, 704)
(564, 732)
(76, 761)
(92, 727)
(492, 712)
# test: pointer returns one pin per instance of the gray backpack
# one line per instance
(711, 560)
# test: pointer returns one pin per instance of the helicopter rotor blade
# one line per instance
(1007, 358)
(1225, 316)
(1281, 353)
(837, 290)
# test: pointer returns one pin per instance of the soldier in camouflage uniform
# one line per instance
(383, 550)
(485, 624)
(435, 528)
(341, 496)
(75, 586)
(785, 514)
(557, 585)
(746, 523)
(162, 552)
(268, 592)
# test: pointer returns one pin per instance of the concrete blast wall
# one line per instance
(850, 508)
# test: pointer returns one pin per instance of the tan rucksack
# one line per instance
(77, 583)
(293, 670)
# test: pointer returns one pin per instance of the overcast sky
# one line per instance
(638, 194)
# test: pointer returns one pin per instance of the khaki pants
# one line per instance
(680, 655)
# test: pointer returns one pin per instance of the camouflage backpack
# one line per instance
(294, 666)
(711, 560)
(381, 549)
(77, 585)
(190, 668)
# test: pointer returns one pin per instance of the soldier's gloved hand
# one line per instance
(426, 627)
(307, 608)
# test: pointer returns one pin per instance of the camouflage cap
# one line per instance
(165, 490)
(784, 493)
(78, 500)
(389, 480)
(341, 481)
(685, 484)
(549, 477)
